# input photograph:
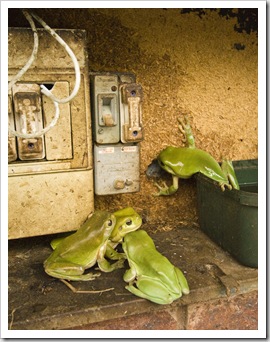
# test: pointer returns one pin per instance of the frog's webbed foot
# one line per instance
(184, 124)
(186, 130)
(167, 190)
(163, 190)
(228, 170)
(182, 130)
(223, 185)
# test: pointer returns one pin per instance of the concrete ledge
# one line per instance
(223, 292)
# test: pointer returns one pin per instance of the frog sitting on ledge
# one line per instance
(184, 162)
(96, 239)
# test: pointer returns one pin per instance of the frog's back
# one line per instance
(185, 162)
(142, 248)
(89, 236)
(149, 262)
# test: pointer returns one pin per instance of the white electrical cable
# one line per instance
(43, 130)
(20, 74)
(44, 90)
(33, 55)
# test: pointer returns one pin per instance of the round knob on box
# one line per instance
(128, 182)
(119, 184)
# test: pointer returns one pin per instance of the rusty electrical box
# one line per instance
(50, 183)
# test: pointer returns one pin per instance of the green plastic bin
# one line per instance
(230, 218)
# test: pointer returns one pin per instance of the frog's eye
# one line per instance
(128, 222)
(109, 223)
(161, 163)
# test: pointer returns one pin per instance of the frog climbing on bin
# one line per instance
(184, 162)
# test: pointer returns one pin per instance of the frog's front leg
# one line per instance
(105, 266)
(112, 254)
(165, 190)
(185, 128)
(228, 170)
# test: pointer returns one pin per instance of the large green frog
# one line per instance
(151, 275)
(89, 245)
(81, 250)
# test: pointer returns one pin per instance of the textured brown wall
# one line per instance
(197, 62)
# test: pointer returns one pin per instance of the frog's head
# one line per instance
(103, 223)
(168, 160)
(109, 222)
(127, 220)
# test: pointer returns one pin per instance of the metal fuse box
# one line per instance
(116, 169)
(105, 109)
(50, 183)
(28, 117)
(117, 130)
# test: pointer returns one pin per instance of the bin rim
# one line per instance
(241, 196)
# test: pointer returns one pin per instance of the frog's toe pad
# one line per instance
(162, 188)
(223, 185)
(90, 276)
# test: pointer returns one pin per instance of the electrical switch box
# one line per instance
(28, 119)
(12, 149)
(116, 101)
(50, 183)
(105, 109)
(131, 112)
(117, 168)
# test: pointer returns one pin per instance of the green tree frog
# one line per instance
(183, 162)
(81, 250)
(151, 275)
(127, 220)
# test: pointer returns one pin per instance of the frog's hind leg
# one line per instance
(228, 170)
(153, 290)
(74, 277)
(182, 280)
(69, 271)
(185, 128)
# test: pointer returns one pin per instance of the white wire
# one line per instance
(42, 131)
(44, 90)
(33, 55)
(20, 74)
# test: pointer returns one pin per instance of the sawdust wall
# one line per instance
(191, 61)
